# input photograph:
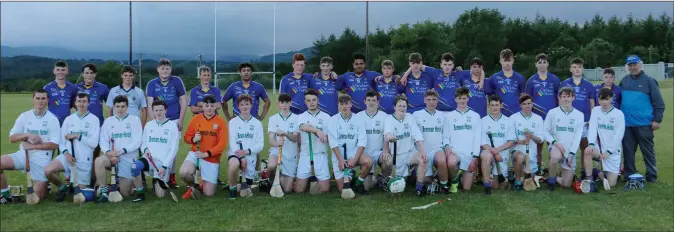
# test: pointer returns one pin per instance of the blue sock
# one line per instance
(420, 185)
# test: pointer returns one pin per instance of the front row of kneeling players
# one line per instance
(456, 143)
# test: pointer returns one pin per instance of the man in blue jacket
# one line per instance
(643, 108)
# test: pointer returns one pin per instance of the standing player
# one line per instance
(358, 82)
(542, 88)
(609, 82)
(296, 84)
(477, 95)
(347, 129)
(198, 92)
(563, 128)
(160, 143)
(60, 92)
(584, 93)
(402, 127)
(210, 132)
(171, 90)
(462, 136)
(529, 132)
(503, 138)
(430, 122)
(313, 122)
(416, 87)
(80, 131)
(39, 134)
(246, 140)
(125, 132)
(374, 130)
(246, 86)
(507, 83)
(326, 86)
(387, 87)
(284, 123)
(608, 123)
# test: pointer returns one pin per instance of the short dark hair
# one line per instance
(476, 61)
(372, 93)
(311, 92)
(209, 98)
(164, 61)
(399, 97)
(609, 71)
(605, 93)
(284, 97)
(447, 57)
(506, 54)
(495, 98)
(524, 98)
(326, 59)
(344, 99)
(461, 91)
(358, 56)
(83, 95)
(541, 56)
(244, 97)
(245, 65)
(121, 99)
(415, 58)
(61, 64)
(91, 67)
(203, 69)
(159, 103)
(39, 91)
(567, 90)
(578, 61)
(128, 69)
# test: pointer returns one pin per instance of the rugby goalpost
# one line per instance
(215, 53)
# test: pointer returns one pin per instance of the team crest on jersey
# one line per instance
(166, 131)
(252, 128)
(215, 126)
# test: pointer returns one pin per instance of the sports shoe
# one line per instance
(61, 194)
(552, 182)
(454, 188)
(139, 197)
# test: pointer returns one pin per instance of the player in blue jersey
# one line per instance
(542, 87)
(246, 86)
(204, 88)
(171, 90)
(326, 87)
(477, 96)
(296, 84)
(608, 81)
(387, 87)
(61, 93)
(357, 83)
(508, 84)
(418, 84)
(585, 94)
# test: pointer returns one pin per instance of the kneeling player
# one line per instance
(120, 138)
(246, 140)
(402, 127)
(81, 132)
(497, 138)
(529, 132)
(283, 124)
(608, 123)
(430, 122)
(462, 136)
(160, 144)
(347, 131)
(373, 119)
(38, 132)
(564, 129)
(207, 133)
(312, 124)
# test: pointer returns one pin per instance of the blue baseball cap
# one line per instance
(633, 59)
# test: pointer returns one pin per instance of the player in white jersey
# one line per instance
(125, 132)
(563, 127)
(605, 135)
(462, 136)
(160, 143)
(38, 132)
(347, 131)
(312, 128)
(402, 127)
(502, 133)
(430, 122)
(246, 140)
(80, 131)
(529, 132)
(374, 131)
(284, 123)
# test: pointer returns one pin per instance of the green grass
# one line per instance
(541, 210)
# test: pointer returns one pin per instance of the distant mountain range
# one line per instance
(64, 53)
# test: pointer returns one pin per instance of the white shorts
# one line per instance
(37, 165)
(335, 169)
(155, 172)
(83, 170)
(375, 159)
(321, 168)
(533, 160)
(288, 164)
(503, 164)
(209, 171)
(464, 160)
(250, 171)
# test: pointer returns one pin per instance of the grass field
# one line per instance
(541, 210)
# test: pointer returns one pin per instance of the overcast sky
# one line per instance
(247, 27)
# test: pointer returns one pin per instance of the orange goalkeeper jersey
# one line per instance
(213, 136)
